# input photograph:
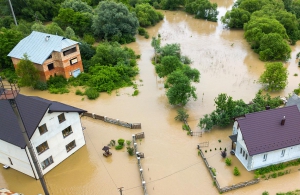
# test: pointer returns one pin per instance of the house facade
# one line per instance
(268, 137)
(54, 130)
(51, 54)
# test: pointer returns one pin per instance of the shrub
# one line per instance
(219, 141)
(265, 193)
(118, 147)
(205, 151)
(210, 149)
(40, 86)
(91, 93)
(89, 39)
(280, 173)
(220, 148)
(57, 82)
(146, 35)
(58, 90)
(142, 31)
(223, 154)
(128, 142)
(215, 148)
(295, 74)
(112, 142)
(130, 151)
(185, 127)
(214, 171)
(121, 142)
(236, 171)
(79, 92)
(135, 93)
(274, 175)
(228, 161)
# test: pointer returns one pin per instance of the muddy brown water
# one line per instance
(171, 165)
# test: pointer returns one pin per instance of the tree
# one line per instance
(147, 15)
(155, 43)
(168, 65)
(256, 28)
(274, 47)
(182, 115)
(54, 29)
(38, 26)
(28, 73)
(170, 50)
(202, 9)
(77, 6)
(170, 4)
(274, 77)
(70, 34)
(113, 21)
(236, 18)
(180, 89)
(9, 39)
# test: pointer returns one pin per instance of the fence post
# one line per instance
(93, 114)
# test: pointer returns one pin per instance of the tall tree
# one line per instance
(28, 73)
(168, 65)
(275, 76)
(236, 18)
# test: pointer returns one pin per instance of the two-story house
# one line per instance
(54, 130)
(268, 137)
(51, 54)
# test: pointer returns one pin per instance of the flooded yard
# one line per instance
(171, 164)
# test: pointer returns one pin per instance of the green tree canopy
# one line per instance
(77, 6)
(113, 21)
(180, 89)
(54, 29)
(80, 22)
(38, 26)
(147, 15)
(168, 65)
(28, 73)
(236, 18)
(170, 4)
(275, 76)
(274, 47)
(202, 9)
(9, 39)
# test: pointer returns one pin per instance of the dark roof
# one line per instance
(263, 132)
(294, 100)
(32, 110)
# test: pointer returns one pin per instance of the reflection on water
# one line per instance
(171, 165)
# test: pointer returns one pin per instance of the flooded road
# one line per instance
(171, 164)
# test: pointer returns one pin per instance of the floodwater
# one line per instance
(171, 164)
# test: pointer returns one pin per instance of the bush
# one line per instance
(236, 171)
(112, 142)
(58, 90)
(142, 31)
(228, 161)
(121, 142)
(214, 171)
(91, 93)
(223, 154)
(119, 147)
(135, 93)
(57, 82)
(128, 142)
(130, 151)
(274, 175)
(265, 193)
(146, 35)
(79, 92)
(89, 39)
(40, 86)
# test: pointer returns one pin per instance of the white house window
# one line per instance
(50, 66)
(246, 156)
(42, 148)
(73, 61)
(243, 153)
(61, 118)
(241, 150)
(10, 161)
(47, 162)
(69, 51)
(70, 146)
(67, 131)
(43, 129)
(282, 153)
(265, 157)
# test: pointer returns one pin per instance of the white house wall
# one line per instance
(274, 157)
(18, 156)
(241, 145)
(54, 137)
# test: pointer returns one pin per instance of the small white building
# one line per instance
(268, 137)
(54, 130)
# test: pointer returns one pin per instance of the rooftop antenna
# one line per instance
(13, 13)
(9, 92)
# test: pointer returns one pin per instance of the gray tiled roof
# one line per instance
(32, 110)
(263, 132)
(38, 48)
(294, 100)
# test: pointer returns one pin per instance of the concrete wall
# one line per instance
(54, 137)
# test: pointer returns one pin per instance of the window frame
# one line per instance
(61, 120)
(44, 147)
(41, 127)
(70, 145)
(282, 153)
(246, 156)
(265, 157)
(51, 65)
(73, 61)
(48, 160)
(68, 132)
(69, 51)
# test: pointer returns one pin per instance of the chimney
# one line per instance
(47, 38)
(283, 120)
(268, 107)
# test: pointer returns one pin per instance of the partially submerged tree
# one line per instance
(182, 115)
(274, 77)
(28, 73)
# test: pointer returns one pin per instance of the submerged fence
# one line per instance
(227, 188)
(114, 121)
(138, 156)
(199, 134)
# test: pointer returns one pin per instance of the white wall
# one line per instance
(54, 137)
(240, 144)
(18, 157)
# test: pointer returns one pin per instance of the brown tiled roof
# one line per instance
(32, 110)
(263, 132)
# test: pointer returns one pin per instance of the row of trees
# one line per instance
(171, 64)
(269, 25)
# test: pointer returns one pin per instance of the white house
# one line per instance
(54, 130)
(268, 137)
